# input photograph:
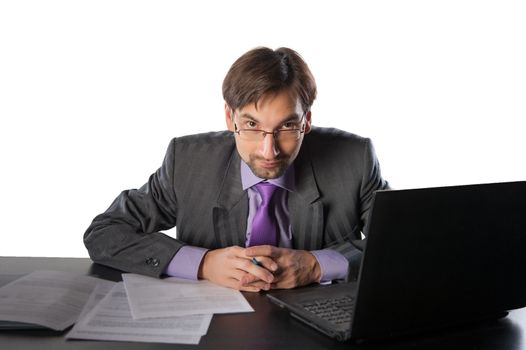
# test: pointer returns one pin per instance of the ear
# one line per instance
(308, 122)
(229, 117)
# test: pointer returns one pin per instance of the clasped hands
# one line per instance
(281, 268)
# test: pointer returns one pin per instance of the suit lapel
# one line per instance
(231, 212)
(306, 210)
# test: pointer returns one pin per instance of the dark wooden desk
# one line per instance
(267, 328)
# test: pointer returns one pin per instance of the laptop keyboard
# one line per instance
(335, 310)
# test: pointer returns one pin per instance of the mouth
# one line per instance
(268, 169)
(270, 165)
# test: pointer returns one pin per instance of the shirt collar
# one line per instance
(285, 181)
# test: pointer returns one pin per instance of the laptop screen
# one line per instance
(441, 256)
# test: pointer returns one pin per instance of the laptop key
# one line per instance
(335, 310)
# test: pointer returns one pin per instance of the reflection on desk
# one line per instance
(269, 327)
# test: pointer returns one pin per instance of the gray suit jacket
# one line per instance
(198, 189)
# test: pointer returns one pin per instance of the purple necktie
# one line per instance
(264, 230)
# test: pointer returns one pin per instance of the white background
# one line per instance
(91, 92)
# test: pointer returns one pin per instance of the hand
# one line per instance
(295, 267)
(230, 267)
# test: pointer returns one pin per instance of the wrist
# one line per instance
(200, 270)
(315, 269)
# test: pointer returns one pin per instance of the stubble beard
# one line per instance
(265, 173)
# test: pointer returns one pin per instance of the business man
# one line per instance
(271, 203)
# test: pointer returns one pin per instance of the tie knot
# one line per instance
(266, 190)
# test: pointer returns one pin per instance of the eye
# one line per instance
(289, 125)
(251, 124)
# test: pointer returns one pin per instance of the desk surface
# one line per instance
(268, 328)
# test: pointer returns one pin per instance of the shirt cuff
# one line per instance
(186, 262)
(333, 265)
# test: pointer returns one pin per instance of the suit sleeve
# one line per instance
(371, 181)
(126, 236)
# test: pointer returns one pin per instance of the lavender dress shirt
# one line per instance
(185, 264)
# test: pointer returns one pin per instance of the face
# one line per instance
(267, 157)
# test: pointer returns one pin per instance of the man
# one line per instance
(271, 203)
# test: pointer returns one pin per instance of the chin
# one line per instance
(268, 173)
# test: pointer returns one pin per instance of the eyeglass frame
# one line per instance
(274, 133)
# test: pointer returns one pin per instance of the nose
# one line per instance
(269, 149)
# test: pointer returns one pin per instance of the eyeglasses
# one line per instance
(280, 135)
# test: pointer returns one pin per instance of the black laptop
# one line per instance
(434, 258)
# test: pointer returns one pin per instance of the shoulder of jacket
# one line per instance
(333, 135)
(215, 137)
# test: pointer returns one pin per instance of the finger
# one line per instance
(284, 280)
(276, 286)
(261, 261)
(248, 279)
(261, 250)
(251, 280)
(243, 278)
(234, 284)
(282, 285)
(260, 285)
(261, 273)
(249, 289)
(240, 276)
(265, 262)
(243, 263)
(254, 284)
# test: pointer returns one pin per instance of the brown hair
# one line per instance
(262, 70)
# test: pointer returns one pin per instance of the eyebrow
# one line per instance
(291, 117)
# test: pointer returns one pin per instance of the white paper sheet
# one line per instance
(111, 319)
(99, 292)
(150, 297)
(52, 299)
